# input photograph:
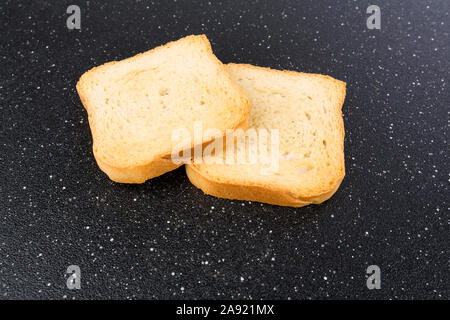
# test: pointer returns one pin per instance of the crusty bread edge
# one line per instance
(140, 174)
(272, 194)
(160, 164)
(254, 192)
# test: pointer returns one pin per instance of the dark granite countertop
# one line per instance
(164, 238)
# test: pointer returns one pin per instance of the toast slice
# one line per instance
(135, 104)
(306, 109)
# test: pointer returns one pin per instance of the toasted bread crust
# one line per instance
(266, 194)
(143, 169)
(254, 190)
(138, 174)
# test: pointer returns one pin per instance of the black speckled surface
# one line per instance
(165, 239)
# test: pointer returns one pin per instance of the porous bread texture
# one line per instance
(306, 108)
(135, 104)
